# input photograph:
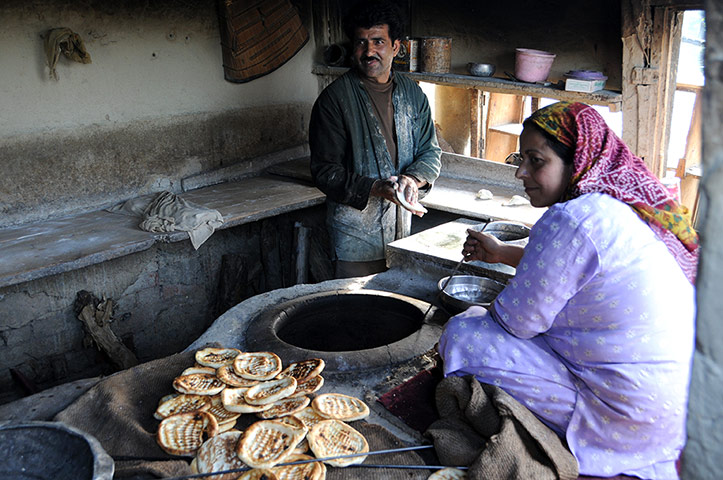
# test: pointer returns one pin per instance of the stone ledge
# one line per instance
(55, 246)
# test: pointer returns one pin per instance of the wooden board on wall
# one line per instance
(503, 114)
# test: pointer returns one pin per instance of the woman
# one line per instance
(594, 333)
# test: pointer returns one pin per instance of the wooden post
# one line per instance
(474, 122)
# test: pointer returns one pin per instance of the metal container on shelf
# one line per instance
(407, 60)
(435, 54)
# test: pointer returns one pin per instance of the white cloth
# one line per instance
(167, 212)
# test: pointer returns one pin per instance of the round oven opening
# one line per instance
(349, 330)
(341, 323)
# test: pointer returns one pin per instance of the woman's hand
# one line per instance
(483, 247)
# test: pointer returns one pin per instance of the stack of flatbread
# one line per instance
(199, 420)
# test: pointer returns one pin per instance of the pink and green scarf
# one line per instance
(603, 163)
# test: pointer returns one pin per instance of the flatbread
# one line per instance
(216, 357)
(302, 471)
(304, 369)
(258, 474)
(338, 406)
(331, 438)
(217, 454)
(284, 407)
(228, 376)
(308, 386)
(270, 391)
(198, 384)
(257, 365)
(448, 473)
(182, 434)
(221, 413)
(183, 403)
(233, 400)
(267, 443)
(309, 416)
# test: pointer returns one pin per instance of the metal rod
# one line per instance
(312, 460)
(408, 467)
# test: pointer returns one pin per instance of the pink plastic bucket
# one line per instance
(532, 65)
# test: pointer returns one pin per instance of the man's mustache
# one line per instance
(372, 57)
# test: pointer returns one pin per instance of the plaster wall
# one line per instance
(165, 298)
(151, 108)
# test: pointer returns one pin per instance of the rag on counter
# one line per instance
(167, 212)
(482, 426)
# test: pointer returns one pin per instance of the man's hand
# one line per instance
(406, 185)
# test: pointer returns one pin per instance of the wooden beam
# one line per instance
(474, 122)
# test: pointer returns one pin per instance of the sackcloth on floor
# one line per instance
(118, 411)
(484, 427)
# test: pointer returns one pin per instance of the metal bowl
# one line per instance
(509, 232)
(481, 69)
(52, 450)
(464, 291)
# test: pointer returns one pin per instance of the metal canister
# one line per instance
(435, 54)
(406, 59)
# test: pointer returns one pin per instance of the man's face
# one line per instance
(374, 52)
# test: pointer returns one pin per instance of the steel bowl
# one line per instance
(481, 69)
(509, 232)
(464, 291)
(52, 450)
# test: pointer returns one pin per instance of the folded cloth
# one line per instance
(64, 40)
(484, 427)
(167, 212)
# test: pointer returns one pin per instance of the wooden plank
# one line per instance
(474, 122)
(504, 109)
(607, 98)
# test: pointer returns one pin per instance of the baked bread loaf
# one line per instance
(304, 369)
(284, 407)
(228, 376)
(331, 438)
(257, 365)
(222, 414)
(183, 403)
(302, 471)
(270, 391)
(199, 369)
(218, 454)
(338, 406)
(182, 434)
(448, 473)
(308, 386)
(267, 443)
(258, 474)
(233, 400)
(198, 384)
(309, 417)
(216, 357)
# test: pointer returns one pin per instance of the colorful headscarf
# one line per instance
(603, 163)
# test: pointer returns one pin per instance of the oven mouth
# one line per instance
(348, 330)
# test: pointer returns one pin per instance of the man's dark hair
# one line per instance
(370, 14)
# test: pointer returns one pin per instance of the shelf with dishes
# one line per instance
(611, 99)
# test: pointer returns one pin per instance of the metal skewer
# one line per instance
(312, 460)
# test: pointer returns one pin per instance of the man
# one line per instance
(371, 134)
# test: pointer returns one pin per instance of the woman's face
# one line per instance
(543, 173)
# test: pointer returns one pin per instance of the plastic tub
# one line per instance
(532, 65)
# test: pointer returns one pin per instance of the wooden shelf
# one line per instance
(608, 98)
(514, 129)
